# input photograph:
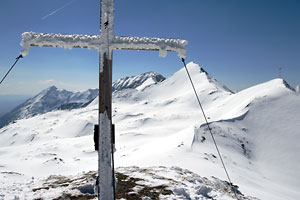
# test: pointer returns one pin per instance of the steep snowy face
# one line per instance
(139, 82)
(298, 88)
(48, 100)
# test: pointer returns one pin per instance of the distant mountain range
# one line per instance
(48, 100)
(54, 99)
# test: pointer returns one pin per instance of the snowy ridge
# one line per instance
(242, 102)
(139, 82)
(238, 104)
(256, 130)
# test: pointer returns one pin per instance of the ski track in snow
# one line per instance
(257, 131)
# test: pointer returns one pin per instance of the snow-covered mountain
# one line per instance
(139, 82)
(48, 100)
(257, 131)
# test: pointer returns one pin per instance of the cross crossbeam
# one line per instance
(104, 43)
(98, 42)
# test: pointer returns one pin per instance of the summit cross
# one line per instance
(104, 43)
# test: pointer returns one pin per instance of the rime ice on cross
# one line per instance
(104, 43)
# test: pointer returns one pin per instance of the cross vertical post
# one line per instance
(104, 43)
(105, 176)
(105, 168)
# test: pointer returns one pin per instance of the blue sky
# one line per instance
(239, 42)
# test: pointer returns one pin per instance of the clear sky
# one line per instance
(239, 42)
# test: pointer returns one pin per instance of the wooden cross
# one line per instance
(105, 43)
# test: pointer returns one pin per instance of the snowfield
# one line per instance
(160, 124)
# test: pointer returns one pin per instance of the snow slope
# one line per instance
(257, 131)
(267, 133)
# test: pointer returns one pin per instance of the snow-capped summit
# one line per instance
(178, 86)
(139, 82)
(48, 100)
(199, 73)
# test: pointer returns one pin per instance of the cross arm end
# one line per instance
(157, 44)
(67, 41)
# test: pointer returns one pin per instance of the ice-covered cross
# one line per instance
(105, 43)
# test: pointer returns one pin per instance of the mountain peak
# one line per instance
(52, 88)
(199, 74)
(194, 68)
(48, 90)
(279, 82)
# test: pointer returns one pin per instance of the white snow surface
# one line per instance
(298, 88)
(257, 131)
